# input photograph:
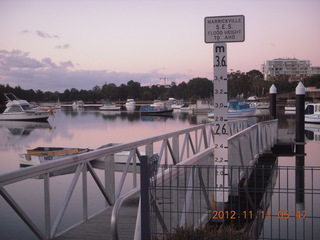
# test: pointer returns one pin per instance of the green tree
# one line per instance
(133, 89)
(313, 81)
(200, 88)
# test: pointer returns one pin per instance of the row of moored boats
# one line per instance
(18, 109)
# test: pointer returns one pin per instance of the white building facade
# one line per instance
(294, 68)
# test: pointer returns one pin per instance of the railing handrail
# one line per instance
(32, 171)
(69, 161)
(204, 140)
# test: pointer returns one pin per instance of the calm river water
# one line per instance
(92, 128)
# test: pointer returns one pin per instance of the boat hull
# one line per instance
(241, 113)
(109, 108)
(25, 116)
(46, 154)
(312, 118)
(154, 110)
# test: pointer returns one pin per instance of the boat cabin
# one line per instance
(312, 108)
(237, 105)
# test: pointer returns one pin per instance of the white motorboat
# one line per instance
(108, 106)
(312, 113)
(255, 101)
(130, 104)
(20, 110)
(237, 108)
(78, 103)
(186, 107)
(175, 104)
(158, 103)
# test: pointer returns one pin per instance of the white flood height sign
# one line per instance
(224, 29)
(220, 30)
(220, 94)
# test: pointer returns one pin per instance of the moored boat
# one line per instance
(78, 103)
(158, 107)
(312, 113)
(255, 101)
(20, 110)
(237, 108)
(130, 104)
(108, 106)
(44, 154)
(186, 107)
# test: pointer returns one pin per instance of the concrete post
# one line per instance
(300, 145)
(273, 102)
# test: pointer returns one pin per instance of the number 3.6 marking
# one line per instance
(220, 63)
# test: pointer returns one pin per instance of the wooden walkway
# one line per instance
(170, 202)
(98, 227)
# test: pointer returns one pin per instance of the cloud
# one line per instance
(39, 33)
(25, 32)
(18, 60)
(65, 46)
(49, 62)
(45, 35)
(18, 68)
(66, 64)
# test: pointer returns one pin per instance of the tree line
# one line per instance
(240, 84)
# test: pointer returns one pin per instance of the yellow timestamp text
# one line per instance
(260, 214)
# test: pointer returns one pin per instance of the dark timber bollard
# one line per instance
(273, 102)
(144, 183)
(300, 144)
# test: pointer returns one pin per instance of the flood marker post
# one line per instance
(273, 102)
(221, 30)
(300, 146)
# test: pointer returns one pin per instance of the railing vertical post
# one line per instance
(175, 149)
(145, 212)
(84, 193)
(109, 177)
(47, 205)
(149, 149)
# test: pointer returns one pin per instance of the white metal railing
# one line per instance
(171, 147)
(245, 147)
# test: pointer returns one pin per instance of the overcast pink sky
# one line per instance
(60, 44)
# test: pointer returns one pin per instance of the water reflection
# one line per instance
(312, 132)
(15, 133)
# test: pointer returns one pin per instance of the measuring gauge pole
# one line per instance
(220, 88)
(221, 30)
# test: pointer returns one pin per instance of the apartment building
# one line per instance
(294, 68)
